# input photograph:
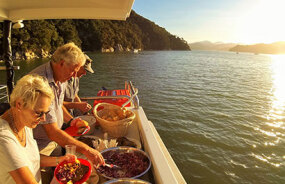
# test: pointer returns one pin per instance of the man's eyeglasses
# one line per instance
(40, 114)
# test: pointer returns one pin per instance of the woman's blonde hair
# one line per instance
(70, 53)
(29, 88)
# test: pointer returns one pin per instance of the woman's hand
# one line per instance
(68, 158)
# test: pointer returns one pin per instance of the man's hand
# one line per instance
(83, 107)
(95, 157)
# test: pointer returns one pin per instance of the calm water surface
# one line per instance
(220, 114)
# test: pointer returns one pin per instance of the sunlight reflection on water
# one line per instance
(273, 131)
(278, 104)
(276, 115)
(266, 159)
(278, 65)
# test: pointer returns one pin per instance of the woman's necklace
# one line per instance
(14, 128)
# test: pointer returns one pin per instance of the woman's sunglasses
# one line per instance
(40, 114)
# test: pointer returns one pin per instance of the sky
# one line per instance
(228, 21)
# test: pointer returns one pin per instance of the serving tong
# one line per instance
(112, 166)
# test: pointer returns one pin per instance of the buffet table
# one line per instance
(96, 133)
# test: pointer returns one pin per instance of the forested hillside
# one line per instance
(42, 37)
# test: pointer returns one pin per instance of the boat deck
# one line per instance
(163, 169)
(133, 134)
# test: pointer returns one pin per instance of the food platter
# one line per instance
(132, 163)
(134, 143)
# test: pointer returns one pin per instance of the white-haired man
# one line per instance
(66, 62)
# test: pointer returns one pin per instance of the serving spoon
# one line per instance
(112, 166)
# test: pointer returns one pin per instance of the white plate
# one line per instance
(139, 146)
(89, 118)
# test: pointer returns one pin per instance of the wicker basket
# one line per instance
(113, 128)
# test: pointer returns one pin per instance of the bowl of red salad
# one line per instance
(130, 163)
(73, 172)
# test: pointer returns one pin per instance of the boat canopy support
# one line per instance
(7, 55)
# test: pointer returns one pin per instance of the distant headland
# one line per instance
(207, 45)
(261, 48)
(273, 48)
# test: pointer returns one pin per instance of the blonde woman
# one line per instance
(20, 160)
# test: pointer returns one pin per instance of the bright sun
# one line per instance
(264, 23)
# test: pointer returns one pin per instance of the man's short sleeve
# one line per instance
(51, 116)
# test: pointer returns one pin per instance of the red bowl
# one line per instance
(83, 179)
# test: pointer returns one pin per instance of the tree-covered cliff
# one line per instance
(42, 37)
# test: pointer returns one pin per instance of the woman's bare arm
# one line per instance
(23, 175)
